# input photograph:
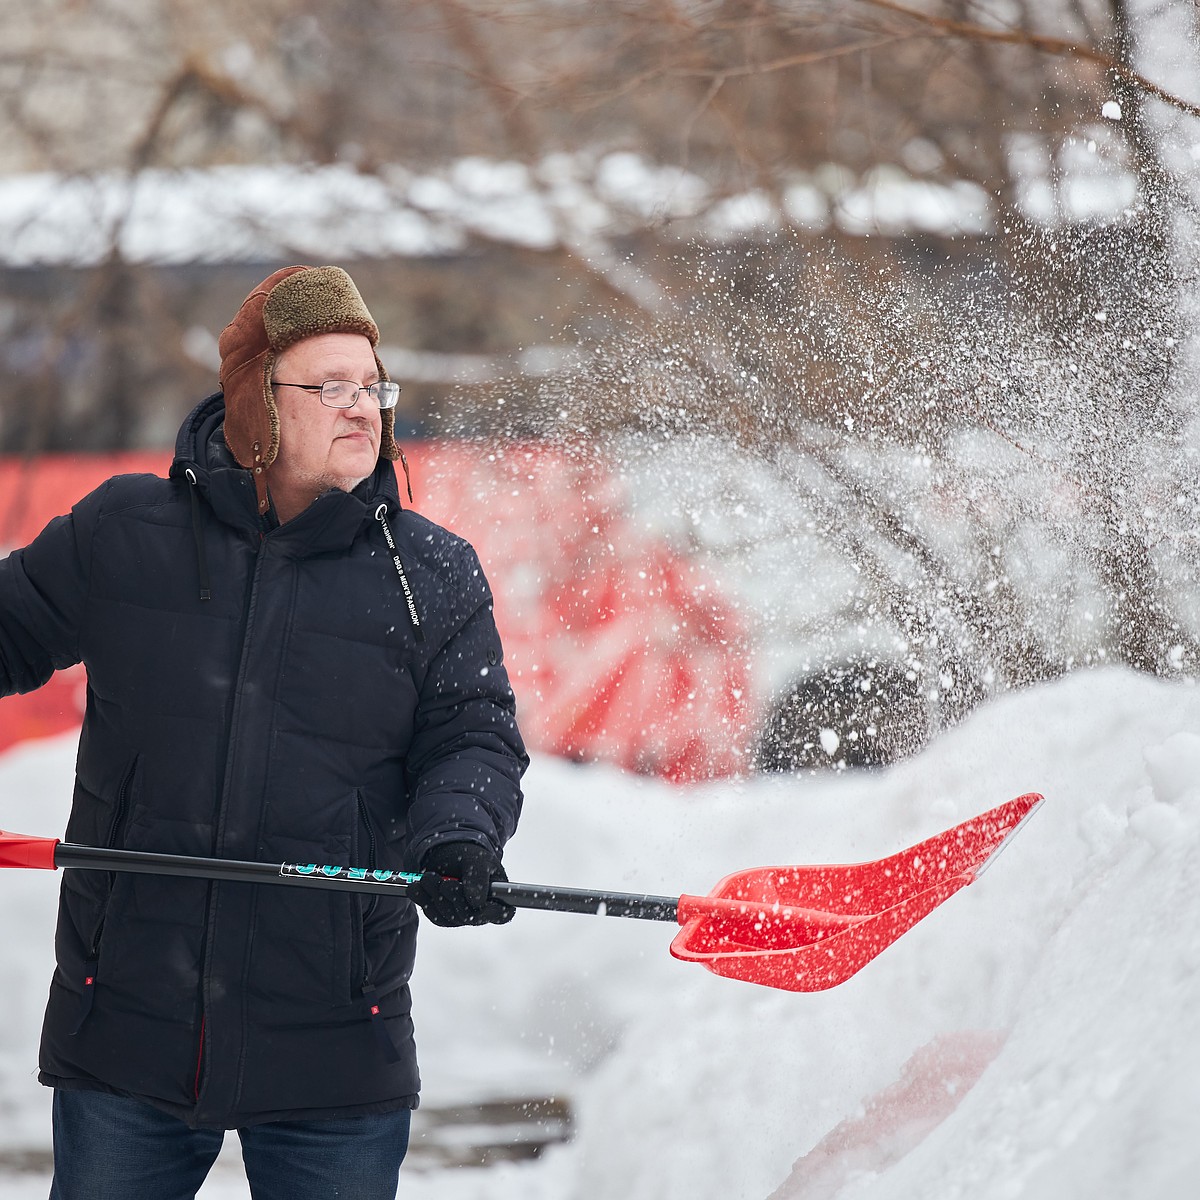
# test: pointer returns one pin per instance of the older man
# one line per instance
(284, 663)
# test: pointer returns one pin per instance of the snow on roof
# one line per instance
(252, 213)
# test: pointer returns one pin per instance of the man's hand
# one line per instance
(453, 888)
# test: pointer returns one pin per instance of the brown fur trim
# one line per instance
(321, 300)
(272, 447)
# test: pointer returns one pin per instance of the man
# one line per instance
(283, 664)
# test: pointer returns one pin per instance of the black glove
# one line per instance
(454, 883)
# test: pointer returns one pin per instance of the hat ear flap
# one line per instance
(250, 413)
(387, 443)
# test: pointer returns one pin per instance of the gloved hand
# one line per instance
(453, 888)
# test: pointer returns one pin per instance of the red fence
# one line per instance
(619, 649)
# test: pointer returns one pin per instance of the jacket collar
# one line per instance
(331, 522)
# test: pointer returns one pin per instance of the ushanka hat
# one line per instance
(288, 306)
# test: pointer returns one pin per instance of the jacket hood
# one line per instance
(333, 520)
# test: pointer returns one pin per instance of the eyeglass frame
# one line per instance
(319, 388)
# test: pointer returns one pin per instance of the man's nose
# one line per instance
(364, 403)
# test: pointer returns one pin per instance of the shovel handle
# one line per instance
(581, 900)
(22, 850)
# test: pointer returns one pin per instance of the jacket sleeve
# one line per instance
(43, 599)
(467, 757)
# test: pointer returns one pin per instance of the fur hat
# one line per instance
(288, 306)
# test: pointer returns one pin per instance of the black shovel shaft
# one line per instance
(580, 900)
(357, 879)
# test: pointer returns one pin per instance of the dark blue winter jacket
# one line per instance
(294, 716)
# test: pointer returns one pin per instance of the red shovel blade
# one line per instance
(805, 929)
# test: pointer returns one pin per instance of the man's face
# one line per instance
(320, 447)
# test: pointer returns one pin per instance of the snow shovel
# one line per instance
(802, 929)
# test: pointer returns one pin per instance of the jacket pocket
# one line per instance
(382, 927)
(114, 840)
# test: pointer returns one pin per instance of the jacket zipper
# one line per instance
(251, 590)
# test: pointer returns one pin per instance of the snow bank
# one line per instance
(1070, 966)
(1037, 1036)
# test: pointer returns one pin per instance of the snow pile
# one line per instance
(1037, 1036)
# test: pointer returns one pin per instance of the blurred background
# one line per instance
(806, 373)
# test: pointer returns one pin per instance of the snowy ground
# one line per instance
(1037, 1036)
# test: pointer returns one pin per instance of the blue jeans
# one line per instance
(114, 1148)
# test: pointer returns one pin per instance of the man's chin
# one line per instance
(353, 471)
(345, 483)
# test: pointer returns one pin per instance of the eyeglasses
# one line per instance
(342, 393)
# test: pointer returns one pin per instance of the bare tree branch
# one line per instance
(1054, 46)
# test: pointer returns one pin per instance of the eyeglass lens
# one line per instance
(341, 393)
